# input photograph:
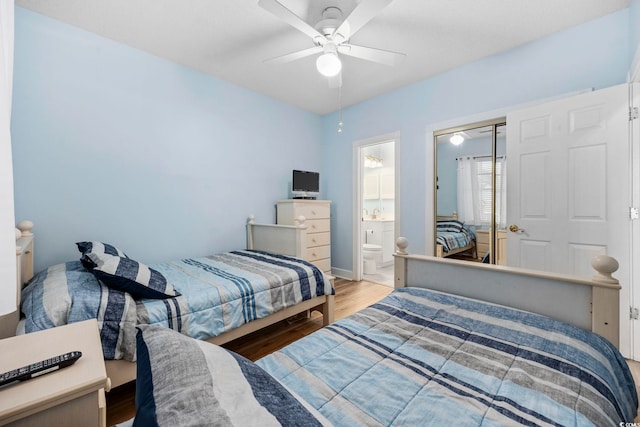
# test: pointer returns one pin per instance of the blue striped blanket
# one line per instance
(420, 357)
(219, 293)
(224, 291)
(451, 240)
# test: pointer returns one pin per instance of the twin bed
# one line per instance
(216, 298)
(454, 237)
(455, 343)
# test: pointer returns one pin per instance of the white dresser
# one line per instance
(318, 221)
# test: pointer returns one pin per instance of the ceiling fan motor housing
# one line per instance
(331, 20)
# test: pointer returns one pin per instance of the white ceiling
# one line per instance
(230, 39)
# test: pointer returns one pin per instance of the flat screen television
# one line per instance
(305, 184)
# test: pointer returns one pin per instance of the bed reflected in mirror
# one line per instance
(470, 205)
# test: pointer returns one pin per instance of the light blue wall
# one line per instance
(592, 55)
(110, 143)
(634, 28)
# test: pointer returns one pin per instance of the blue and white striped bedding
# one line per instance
(219, 293)
(224, 291)
(68, 293)
(451, 240)
(420, 357)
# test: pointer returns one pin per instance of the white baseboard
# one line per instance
(343, 274)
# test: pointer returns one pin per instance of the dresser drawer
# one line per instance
(319, 252)
(323, 264)
(313, 211)
(318, 239)
(483, 248)
(318, 225)
(482, 237)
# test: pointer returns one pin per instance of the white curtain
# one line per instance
(501, 192)
(7, 221)
(475, 192)
(465, 193)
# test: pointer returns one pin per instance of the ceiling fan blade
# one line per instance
(277, 9)
(336, 81)
(380, 56)
(294, 55)
(362, 14)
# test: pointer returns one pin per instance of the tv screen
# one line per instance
(307, 182)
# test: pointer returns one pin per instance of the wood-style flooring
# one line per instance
(350, 297)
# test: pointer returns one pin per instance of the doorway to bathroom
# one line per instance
(375, 209)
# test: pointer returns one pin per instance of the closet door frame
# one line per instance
(494, 123)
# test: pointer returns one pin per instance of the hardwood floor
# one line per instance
(350, 297)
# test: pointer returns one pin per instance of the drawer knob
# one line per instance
(313, 212)
(313, 240)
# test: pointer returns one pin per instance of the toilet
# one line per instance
(371, 255)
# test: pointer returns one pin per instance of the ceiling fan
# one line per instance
(331, 37)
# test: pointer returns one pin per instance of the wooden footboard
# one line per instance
(440, 253)
(589, 303)
(122, 371)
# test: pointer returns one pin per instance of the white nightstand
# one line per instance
(72, 396)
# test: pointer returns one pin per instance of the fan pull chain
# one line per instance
(340, 123)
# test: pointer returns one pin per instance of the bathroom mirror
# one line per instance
(470, 194)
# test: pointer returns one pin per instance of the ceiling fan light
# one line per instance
(456, 139)
(328, 64)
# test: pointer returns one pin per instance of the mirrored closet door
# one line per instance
(470, 202)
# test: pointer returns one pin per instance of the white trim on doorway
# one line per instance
(358, 165)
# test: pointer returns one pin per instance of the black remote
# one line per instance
(39, 368)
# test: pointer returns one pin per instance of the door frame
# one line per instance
(357, 191)
(634, 271)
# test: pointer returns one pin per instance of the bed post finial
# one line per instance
(25, 227)
(605, 266)
(402, 243)
(250, 221)
(299, 221)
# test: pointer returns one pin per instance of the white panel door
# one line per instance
(568, 185)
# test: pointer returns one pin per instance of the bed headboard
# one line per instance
(589, 303)
(454, 215)
(276, 238)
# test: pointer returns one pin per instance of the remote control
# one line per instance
(39, 368)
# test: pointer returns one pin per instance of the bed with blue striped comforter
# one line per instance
(218, 293)
(224, 291)
(451, 240)
(420, 357)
